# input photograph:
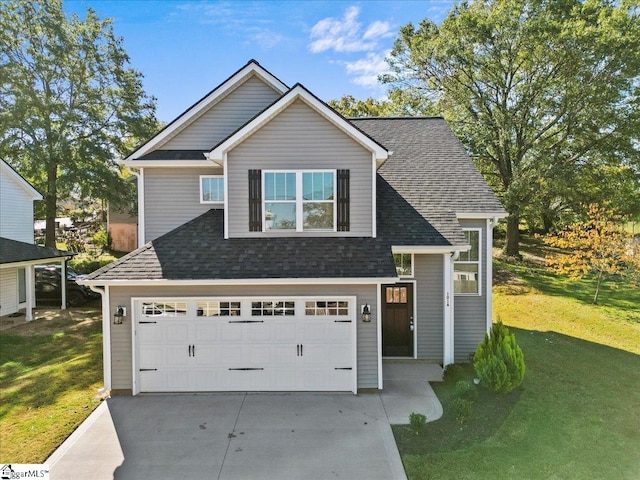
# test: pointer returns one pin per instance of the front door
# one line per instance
(397, 320)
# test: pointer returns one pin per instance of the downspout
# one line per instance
(491, 223)
(106, 338)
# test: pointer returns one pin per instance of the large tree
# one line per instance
(70, 102)
(541, 92)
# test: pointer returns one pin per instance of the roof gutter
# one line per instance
(230, 282)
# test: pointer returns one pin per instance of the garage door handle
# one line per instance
(193, 350)
(147, 322)
(343, 368)
(246, 368)
(148, 369)
(189, 350)
(342, 321)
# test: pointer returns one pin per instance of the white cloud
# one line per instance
(378, 30)
(264, 38)
(366, 70)
(345, 34)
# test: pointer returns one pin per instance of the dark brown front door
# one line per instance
(397, 320)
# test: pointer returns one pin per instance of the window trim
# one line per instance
(300, 202)
(471, 262)
(413, 265)
(212, 202)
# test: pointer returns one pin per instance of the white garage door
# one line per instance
(282, 344)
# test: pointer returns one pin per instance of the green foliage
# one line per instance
(466, 390)
(101, 239)
(70, 103)
(85, 263)
(599, 246)
(543, 94)
(462, 409)
(417, 421)
(453, 371)
(499, 361)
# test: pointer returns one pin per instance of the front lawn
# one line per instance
(50, 371)
(576, 413)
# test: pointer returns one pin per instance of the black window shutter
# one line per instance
(255, 200)
(343, 201)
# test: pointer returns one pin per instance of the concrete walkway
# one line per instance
(406, 390)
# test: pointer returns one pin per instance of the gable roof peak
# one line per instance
(298, 91)
(252, 68)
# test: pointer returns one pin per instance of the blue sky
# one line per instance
(186, 48)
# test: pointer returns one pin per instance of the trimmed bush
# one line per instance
(465, 389)
(498, 361)
(417, 421)
(461, 409)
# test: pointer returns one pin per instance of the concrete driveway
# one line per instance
(232, 436)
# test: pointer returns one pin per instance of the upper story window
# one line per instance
(404, 264)
(299, 201)
(466, 270)
(211, 189)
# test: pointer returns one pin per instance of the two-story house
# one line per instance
(18, 253)
(284, 247)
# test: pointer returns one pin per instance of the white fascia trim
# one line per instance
(168, 163)
(425, 250)
(40, 261)
(21, 182)
(480, 216)
(258, 281)
(298, 92)
(220, 91)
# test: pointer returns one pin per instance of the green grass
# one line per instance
(575, 414)
(49, 376)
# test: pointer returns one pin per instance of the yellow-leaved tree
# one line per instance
(598, 246)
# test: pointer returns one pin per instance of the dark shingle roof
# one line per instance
(12, 251)
(174, 155)
(431, 171)
(197, 250)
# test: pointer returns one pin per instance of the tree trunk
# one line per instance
(512, 247)
(595, 297)
(50, 204)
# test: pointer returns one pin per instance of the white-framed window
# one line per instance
(467, 269)
(404, 264)
(299, 200)
(164, 309)
(315, 308)
(271, 308)
(211, 188)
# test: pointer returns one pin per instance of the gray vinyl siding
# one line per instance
(226, 115)
(428, 271)
(172, 198)
(470, 311)
(300, 138)
(367, 337)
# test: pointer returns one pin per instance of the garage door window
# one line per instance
(164, 309)
(218, 309)
(285, 308)
(322, 308)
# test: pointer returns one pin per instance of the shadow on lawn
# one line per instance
(37, 369)
(567, 380)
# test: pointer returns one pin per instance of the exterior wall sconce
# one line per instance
(366, 313)
(121, 312)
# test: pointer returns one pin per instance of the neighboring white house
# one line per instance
(18, 253)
